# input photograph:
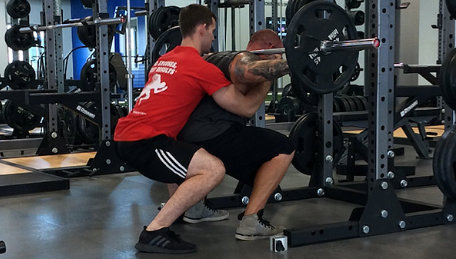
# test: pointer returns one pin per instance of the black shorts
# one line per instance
(160, 158)
(244, 149)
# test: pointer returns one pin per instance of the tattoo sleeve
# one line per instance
(268, 69)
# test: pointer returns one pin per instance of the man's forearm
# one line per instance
(269, 69)
(249, 68)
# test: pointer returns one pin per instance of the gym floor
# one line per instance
(102, 216)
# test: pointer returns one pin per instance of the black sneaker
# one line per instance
(163, 241)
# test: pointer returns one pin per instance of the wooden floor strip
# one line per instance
(53, 161)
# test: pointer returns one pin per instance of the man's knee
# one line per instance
(207, 164)
(285, 158)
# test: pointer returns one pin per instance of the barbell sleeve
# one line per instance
(97, 21)
(268, 51)
(328, 46)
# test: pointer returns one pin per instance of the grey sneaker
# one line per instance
(253, 227)
(201, 212)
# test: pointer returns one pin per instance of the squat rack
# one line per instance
(381, 210)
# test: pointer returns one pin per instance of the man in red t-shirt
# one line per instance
(146, 138)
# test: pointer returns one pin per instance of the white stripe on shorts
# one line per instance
(161, 155)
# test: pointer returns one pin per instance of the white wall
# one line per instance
(3, 47)
(428, 37)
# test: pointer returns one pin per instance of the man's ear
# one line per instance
(201, 28)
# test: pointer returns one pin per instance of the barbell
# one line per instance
(74, 23)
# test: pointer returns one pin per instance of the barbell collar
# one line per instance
(97, 21)
(328, 46)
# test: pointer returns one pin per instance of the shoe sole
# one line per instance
(193, 221)
(250, 238)
(153, 249)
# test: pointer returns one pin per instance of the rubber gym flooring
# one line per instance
(102, 216)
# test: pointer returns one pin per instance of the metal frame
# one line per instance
(382, 211)
(52, 142)
(446, 43)
(257, 22)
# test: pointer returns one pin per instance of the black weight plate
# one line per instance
(351, 103)
(447, 79)
(20, 75)
(293, 7)
(153, 31)
(287, 109)
(166, 42)
(89, 76)
(88, 130)
(359, 103)
(340, 105)
(336, 106)
(313, 23)
(449, 163)
(356, 73)
(17, 40)
(88, 35)
(18, 8)
(304, 134)
(352, 4)
(162, 19)
(443, 163)
(357, 17)
(19, 118)
(287, 91)
(67, 125)
(451, 6)
(345, 105)
(289, 11)
(365, 102)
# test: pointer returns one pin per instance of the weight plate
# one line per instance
(18, 8)
(89, 76)
(162, 19)
(287, 91)
(17, 40)
(307, 140)
(287, 109)
(351, 103)
(166, 42)
(444, 161)
(447, 79)
(20, 75)
(88, 35)
(313, 23)
(359, 104)
(20, 119)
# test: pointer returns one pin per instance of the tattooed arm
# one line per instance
(251, 77)
(247, 68)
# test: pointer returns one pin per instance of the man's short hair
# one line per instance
(192, 16)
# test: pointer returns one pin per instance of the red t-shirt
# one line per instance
(177, 83)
